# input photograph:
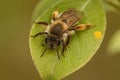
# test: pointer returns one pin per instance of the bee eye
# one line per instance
(58, 42)
(47, 39)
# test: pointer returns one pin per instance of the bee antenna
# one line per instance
(44, 51)
(57, 54)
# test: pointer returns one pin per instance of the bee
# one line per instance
(61, 29)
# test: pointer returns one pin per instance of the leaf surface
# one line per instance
(83, 44)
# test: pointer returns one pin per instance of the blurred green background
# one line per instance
(15, 59)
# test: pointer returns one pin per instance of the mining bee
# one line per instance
(61, 28)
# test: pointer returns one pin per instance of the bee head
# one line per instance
(52, 41)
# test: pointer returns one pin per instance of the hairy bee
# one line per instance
(60, 29)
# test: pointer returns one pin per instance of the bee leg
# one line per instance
(68, 40)
(57, 54)
(82, 26)
(40, 33)
(41, 23)
(55, 15)
(43, 52)
(63, 47)
(78, 28)
(65, 44)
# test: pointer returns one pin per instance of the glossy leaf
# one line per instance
(83, 44)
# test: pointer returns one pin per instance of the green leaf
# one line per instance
(114, 44)
(83, 45)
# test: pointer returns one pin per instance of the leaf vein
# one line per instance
(85, 5)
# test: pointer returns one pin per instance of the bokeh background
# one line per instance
(15, 59)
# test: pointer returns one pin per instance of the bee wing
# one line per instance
(70, 17)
